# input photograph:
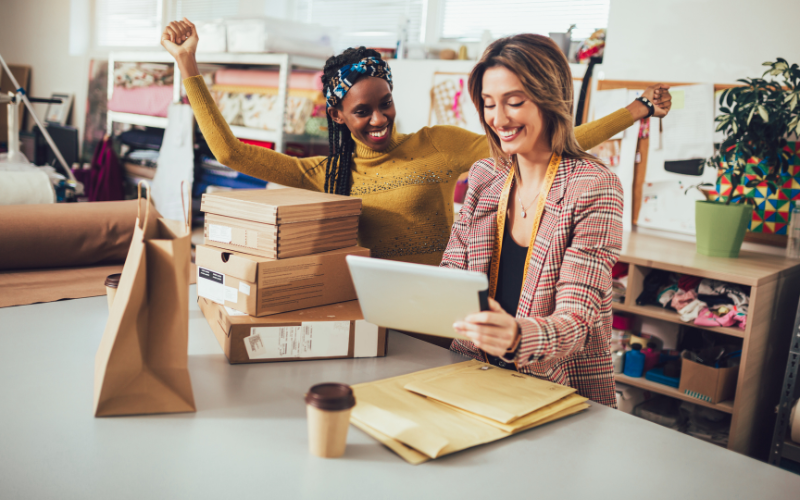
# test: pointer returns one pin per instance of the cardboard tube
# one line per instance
(327, 431)
(66, 234)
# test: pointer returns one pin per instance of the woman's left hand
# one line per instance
(495, 331)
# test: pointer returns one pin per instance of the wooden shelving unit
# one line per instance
(284, 62)
(649, 385)
(774, 292)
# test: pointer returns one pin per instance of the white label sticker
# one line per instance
(311, 340)
(255, 347)
(366, 341)
(231, 295)
(245, 289)
(234, 312)
(211, 285)
(222, 234)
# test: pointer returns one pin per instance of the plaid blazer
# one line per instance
(565, 307)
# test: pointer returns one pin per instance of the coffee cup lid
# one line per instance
(331, 397)
(113, 280)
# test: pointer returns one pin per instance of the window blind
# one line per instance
(208, 10)
(467, 19)
(373, 23)
(128, 23)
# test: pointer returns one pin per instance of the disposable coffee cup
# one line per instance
(112, 282)
(328, 408)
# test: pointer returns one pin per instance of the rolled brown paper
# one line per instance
(112, 283)
(328, 408)
(66, 234)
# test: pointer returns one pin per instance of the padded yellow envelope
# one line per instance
(419, 428)
(489, 391)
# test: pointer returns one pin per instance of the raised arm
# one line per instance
(594, 133)
(180, 39)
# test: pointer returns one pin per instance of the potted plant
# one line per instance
(756, 118)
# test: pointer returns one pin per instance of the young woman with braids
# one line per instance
(406, 181)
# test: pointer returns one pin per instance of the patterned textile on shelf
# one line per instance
(259, 111)
(132, 75)
(772, 207)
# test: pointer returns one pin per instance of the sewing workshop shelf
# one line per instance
(649, 385)
(774, 284)
(284, 62)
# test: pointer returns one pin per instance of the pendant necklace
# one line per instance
(519, 198)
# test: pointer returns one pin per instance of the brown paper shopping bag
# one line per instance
(141, 364)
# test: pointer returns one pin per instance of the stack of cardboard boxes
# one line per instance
(273, 282)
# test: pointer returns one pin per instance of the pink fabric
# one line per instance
(683, 298)
(261, 78)
(152, 101)
(709, 318)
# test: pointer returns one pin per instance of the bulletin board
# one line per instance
(639, 187)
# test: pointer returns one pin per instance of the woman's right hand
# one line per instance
(180, 39)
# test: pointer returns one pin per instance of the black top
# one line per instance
(510, 277)
(509, 282)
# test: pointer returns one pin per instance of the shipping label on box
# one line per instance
(331, 331)
(262, 287)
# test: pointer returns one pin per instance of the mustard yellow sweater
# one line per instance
(406, 190)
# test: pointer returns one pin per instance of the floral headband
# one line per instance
(348, 75)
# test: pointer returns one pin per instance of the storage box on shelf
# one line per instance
(774, 291)
(285, 62)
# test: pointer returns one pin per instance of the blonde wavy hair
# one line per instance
(547, 80)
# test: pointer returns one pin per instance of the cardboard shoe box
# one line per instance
(707, 383)
(327, 332)
(280, 241)
(259, 286)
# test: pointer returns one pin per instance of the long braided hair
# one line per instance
(342, 145)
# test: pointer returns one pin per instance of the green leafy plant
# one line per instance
(756, 118)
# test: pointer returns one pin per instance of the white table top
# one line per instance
(248, 437)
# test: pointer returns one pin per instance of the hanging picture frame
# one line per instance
(59, 113)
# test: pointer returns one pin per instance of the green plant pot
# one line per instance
(720, 228)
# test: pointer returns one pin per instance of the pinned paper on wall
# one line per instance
(689, 131)
(668, 200)
(678, 98)
(668, 205)
(619, 155)
(451, 104)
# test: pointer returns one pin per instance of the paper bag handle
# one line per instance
(139, 206)
(183, 204)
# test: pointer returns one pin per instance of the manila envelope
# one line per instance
(427, 426)
(492, 392)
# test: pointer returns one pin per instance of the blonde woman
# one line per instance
(406, 181)
(543, 219)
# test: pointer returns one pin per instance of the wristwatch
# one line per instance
(650, 108)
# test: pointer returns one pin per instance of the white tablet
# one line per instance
(415, 297)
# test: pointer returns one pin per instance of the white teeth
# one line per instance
(379, 133)
(507, 133)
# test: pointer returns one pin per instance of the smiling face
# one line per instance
(368, 111)
(510, 113)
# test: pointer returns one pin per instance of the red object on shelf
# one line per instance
(268, 145)
(620, 322)
(619, 270)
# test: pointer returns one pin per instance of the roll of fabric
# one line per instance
(152, 101)
(66, 235)
(261, 78)
(24, 188)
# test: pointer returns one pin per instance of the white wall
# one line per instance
(37, 33)
(704, 41)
